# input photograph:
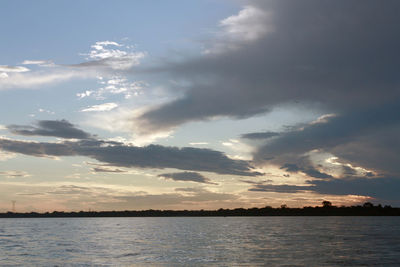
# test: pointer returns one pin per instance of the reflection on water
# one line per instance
(220, 241)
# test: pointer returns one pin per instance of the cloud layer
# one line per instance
(119, 154)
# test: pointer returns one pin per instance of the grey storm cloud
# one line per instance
(119, 154)
(187, 176)
(55, 128)
(339, 54)
(385, 188)
(367, 137)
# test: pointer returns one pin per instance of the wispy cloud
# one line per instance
(14, 174)
(42, 63)
(104, 59)
(9, 69)
(62, 128)
(187, 177)
(101, 107)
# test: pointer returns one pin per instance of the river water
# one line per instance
(201, 241)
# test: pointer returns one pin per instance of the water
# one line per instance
(201, 241)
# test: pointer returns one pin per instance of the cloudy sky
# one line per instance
(198, 104)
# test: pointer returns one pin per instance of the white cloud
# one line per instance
(122, 120)
(101, 107)
(102, 60)
(114, 86)
(41, 110)
(8, 69)
(198, 143)
(84, 94)
(116, 59)
(243, 151)
(249, 25)
(45, 63)
(323, 119)
(35, 79)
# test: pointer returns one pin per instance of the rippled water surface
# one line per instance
(201, 241)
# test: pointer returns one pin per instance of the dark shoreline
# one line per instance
(366, 210)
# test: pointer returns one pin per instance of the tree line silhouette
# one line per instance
(327, 209)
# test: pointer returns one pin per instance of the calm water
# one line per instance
(201, 241)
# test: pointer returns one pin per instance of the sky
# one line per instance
(131, 105)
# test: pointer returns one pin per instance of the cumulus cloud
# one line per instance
(62, 128)
(250, 24)
(186, 176)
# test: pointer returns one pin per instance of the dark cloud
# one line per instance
(256, 182)
(261, 135)
(338, 56)
(382, 188)
(104, 169)
(367, 137)
(56, 128)
(290, 167)
(335, 53)
(385, 188)
(316, 174)
(152, 156)
(187, 176)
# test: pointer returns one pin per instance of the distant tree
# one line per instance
(368, 205)
(283, 206)
(326, 204)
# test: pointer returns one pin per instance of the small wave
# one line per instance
(128, 255)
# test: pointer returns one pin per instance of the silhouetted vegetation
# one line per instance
(327, 209)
